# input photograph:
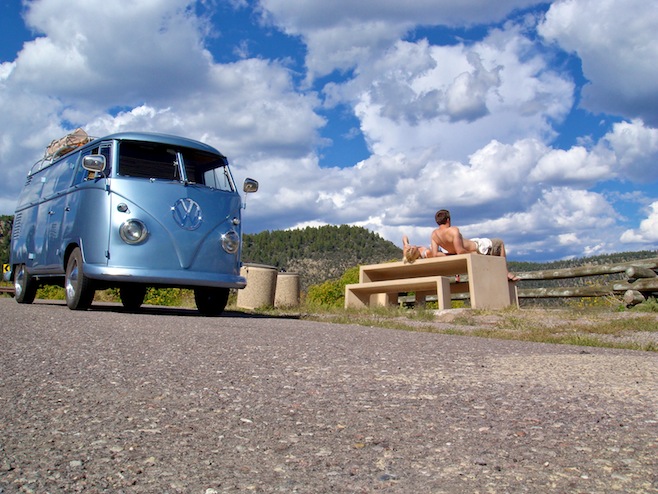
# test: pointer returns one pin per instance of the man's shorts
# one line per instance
(489, 246)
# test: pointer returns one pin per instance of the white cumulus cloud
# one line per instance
(615, 40)
(647, 233)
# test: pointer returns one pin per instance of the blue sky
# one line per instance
(533, 121)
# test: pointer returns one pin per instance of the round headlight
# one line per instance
(230, 242)
(133, 231)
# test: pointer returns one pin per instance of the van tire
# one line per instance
(132, 296)
(211, 301)
(79, 289)
(25, 286)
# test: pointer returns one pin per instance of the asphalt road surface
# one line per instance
(165, 401)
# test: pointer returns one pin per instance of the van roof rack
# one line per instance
(64, 145)
(59, 147)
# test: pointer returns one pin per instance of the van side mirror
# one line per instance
(94, 163)
(250, 185)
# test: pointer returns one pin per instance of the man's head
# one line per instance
(442, 217)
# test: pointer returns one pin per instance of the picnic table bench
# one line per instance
(484, 278)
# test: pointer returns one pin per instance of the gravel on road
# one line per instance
(166, 401)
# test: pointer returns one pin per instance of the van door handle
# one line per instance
(50, 212)
(67, 208)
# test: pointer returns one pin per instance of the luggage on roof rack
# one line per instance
(59, 147)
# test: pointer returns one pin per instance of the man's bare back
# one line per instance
(450, 239)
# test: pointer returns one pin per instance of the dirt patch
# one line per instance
(626, 329)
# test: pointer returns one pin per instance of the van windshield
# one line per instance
(165, 162)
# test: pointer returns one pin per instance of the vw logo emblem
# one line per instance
(187, 214)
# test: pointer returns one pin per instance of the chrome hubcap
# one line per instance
(19, 281)
(71, 282)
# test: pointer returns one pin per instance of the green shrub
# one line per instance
(176, 297)
(51, 292)
(332, 293)
(164, 296)
(108, 295)
(650, 305)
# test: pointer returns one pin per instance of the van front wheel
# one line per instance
(25, 286)
(210, 301)
(79, 289)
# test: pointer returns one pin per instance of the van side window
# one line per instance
(65, 175)
(56, 178)
(207, 169)
(106, 150)
(218, 178)
(81, 174)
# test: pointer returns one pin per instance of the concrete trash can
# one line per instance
(287, 290)
(261, 286)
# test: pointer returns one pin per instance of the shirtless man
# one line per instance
(449, 239)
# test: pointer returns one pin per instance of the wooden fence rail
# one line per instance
(632, 267)
(641, 281)
(7, 289)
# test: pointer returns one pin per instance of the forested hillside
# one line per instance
(6, 223)
(318, 254)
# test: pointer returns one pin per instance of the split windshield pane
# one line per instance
(161, 162)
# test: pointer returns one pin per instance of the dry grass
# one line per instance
(633, 330)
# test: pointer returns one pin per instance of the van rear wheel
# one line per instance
(79, 289)
(132, 296)
(25, 286)
(211, 301)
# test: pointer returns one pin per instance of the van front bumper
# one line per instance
(170, 278)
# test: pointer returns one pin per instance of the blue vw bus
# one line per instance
(130, 210)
